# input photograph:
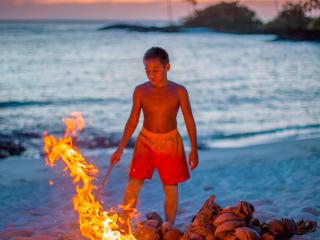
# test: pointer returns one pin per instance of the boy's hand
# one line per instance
(193, 159)
(115, 157)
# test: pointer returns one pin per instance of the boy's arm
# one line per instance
(133, 119)
(130, 126)
(190, 124)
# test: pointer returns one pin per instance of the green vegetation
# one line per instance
(314, 24)
(226, 17)
(292, 17)
(292, 21)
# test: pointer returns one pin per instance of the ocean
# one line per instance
(244, 89)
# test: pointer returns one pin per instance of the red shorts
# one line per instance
(164, 151)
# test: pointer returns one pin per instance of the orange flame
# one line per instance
(94, 221)
(74, 123)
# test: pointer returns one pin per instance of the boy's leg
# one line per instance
(170, 202)
(131, 195)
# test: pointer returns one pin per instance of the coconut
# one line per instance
(144, 232)
(228, 226)
(166, 226)
(245, 233)
(173, 234)
(155, 216)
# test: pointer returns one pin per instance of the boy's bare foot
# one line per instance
(123, 222)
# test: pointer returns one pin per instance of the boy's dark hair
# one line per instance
(157, 52)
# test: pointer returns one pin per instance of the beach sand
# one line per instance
(281, 179)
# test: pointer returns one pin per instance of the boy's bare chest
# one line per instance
(160, 99)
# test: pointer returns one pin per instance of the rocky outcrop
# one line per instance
(9, 147)
(140, 28)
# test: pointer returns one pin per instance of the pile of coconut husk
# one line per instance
(230, 223)
(155, 229)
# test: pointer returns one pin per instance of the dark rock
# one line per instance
(154, 215)
(9, 147)
(4, 153)
(140, 28)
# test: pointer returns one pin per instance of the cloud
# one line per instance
(89, 2)
(121, 11)
(48, 2)
(115, 9)
(54, 2)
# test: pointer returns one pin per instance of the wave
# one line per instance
(263, 132)
(92, 138)
(16, 104)
(98, 133)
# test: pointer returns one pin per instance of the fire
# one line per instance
(73, 124)
(94, 221)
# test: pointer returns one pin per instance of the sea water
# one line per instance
(243, 89)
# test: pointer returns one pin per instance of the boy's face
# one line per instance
(155, 70)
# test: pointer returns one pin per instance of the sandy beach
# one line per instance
(281, 179)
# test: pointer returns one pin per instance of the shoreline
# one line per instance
(267, 175)
(293, 35)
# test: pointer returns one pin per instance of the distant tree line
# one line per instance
(292, 20)
(225, 16)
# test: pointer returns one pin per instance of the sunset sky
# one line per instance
(115, 9)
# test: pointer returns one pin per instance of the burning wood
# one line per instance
(212, 222)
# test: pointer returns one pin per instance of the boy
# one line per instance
(159, 144)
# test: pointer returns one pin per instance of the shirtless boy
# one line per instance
(159, 144)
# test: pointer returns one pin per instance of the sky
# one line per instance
(117, 9)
